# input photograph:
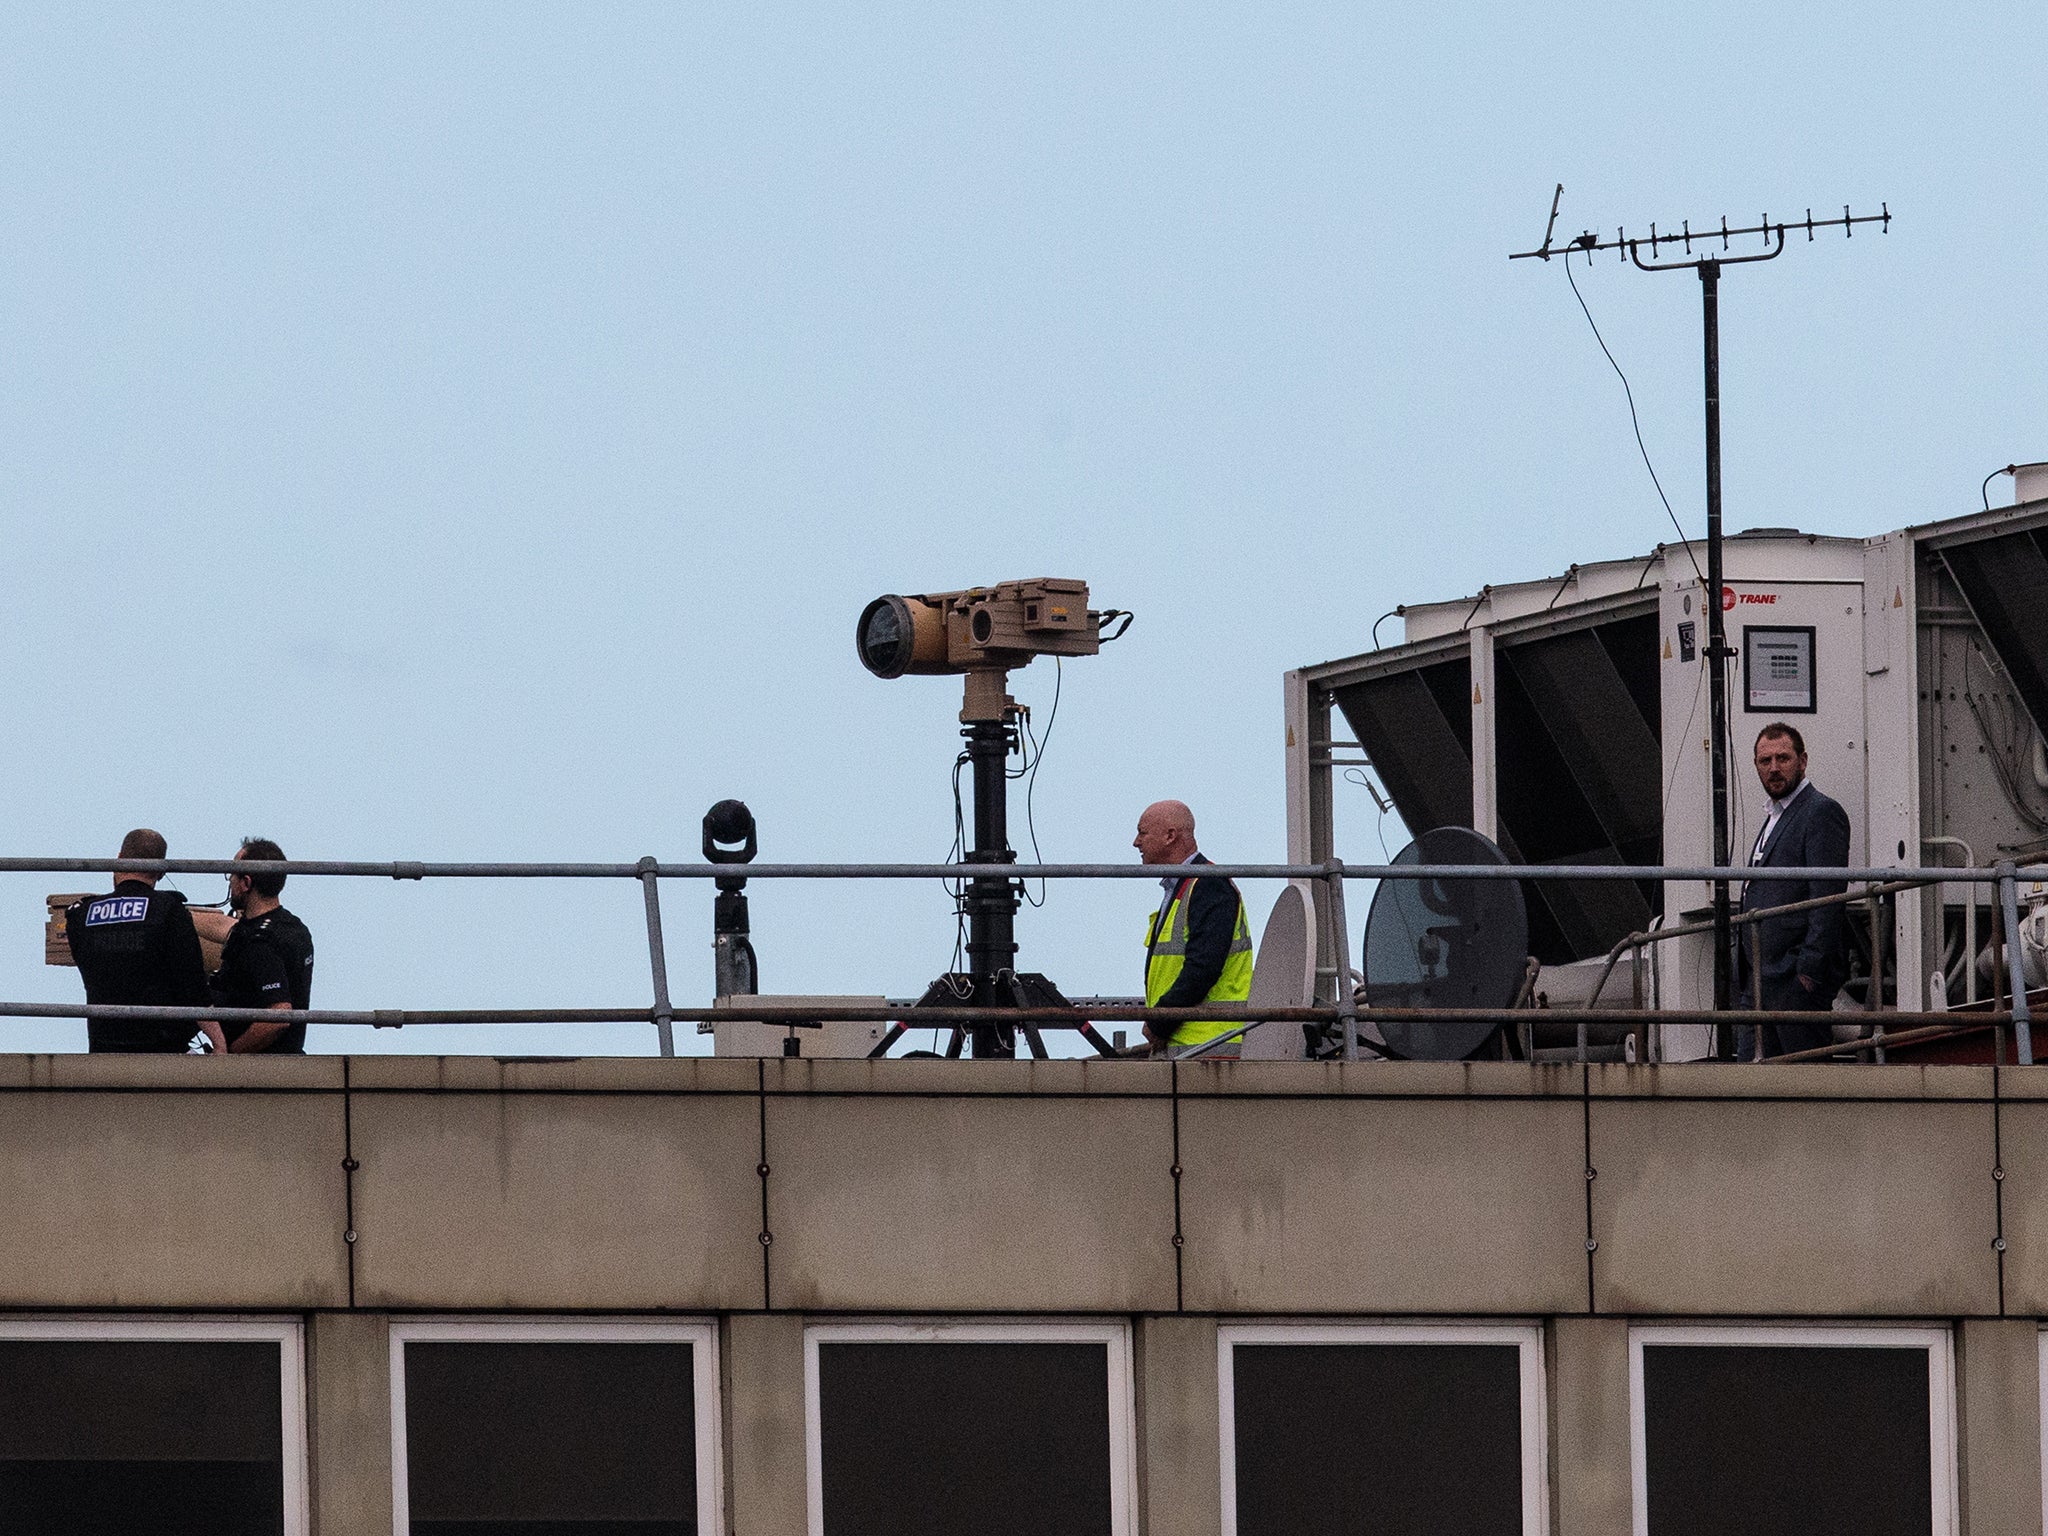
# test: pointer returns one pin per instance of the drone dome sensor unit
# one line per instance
(977, 629)
(983, 633)
(1445, 943)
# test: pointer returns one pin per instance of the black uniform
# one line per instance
(267, 960)
(137, 945)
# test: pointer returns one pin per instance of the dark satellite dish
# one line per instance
(1434, 943)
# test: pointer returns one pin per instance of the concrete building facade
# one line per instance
(1152, 1239)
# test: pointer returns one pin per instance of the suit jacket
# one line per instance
(1813, 832)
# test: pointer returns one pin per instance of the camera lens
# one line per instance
(729, 834)
(982, 626)
(729, 821)
(884, 637)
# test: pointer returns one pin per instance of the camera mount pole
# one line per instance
(1708, 263)
(990, 901)
(729, 838)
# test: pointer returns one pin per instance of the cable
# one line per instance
(957, 889)
(1678, 760)
(1376, 623)
(1998, 743)
(1038, 746)
(1382, 806)
(1634, 421)
(1738, 789)
(1356, 775)
(1562, 582)
(1985, 489)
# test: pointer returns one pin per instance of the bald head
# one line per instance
(1166, 833)
(143, 843)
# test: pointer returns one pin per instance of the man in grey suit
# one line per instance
(1805, 955)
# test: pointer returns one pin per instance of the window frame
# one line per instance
(286, 1333)
(1115, 1337)
(1533, 1393)
(1938, 1341)
(701, 1335)
(2041, 1374)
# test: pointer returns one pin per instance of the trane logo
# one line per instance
(117, 909)
(1730, 597)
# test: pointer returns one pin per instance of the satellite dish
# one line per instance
(1283, 977)
(1433, 943)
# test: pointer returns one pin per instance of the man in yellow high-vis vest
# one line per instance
(1198, 946)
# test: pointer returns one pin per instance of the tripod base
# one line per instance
(996, 1039)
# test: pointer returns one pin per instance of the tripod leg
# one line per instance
(1094, 1038)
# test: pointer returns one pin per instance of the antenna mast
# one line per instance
(1708, 265)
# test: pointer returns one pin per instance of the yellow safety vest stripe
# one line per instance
(1166, 950)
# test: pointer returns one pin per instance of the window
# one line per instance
(1827, 1431)
(1000, 1429)
(517, 1428)
(1389, 1429)
(2044, 1422)
(159, 1428)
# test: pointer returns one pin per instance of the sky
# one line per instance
(470, 432)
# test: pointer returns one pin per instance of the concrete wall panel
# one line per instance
(1591, 1490)
(1384, 1205)
(972, 1203)
(1783, 1207)
(348, 1431)
(1180, 1474)
(764, 1434)
(203, 1200)
(1998, 1389)
(570, 1201)
(2023, 1151)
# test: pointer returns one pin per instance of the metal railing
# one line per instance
(1752, 921)
(2004, 876)
(1332, 876)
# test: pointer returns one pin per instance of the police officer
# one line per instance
(137, 945)
(1198, 948)
(266, 961)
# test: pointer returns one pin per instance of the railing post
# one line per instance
(1755, 936)
(1347, 1005)
(664, 1015)
(1637, 999)
(2016, 962)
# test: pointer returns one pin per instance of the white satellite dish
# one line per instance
(1283, 976)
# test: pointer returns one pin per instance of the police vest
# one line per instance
(126, 955)
(1166, 953)
(113, 932)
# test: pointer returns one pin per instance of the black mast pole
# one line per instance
(991, 900)
(1717, 650)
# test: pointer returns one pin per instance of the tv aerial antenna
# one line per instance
(1675, 253)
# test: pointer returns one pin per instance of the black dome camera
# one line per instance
(729, 833)
(729, 839)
